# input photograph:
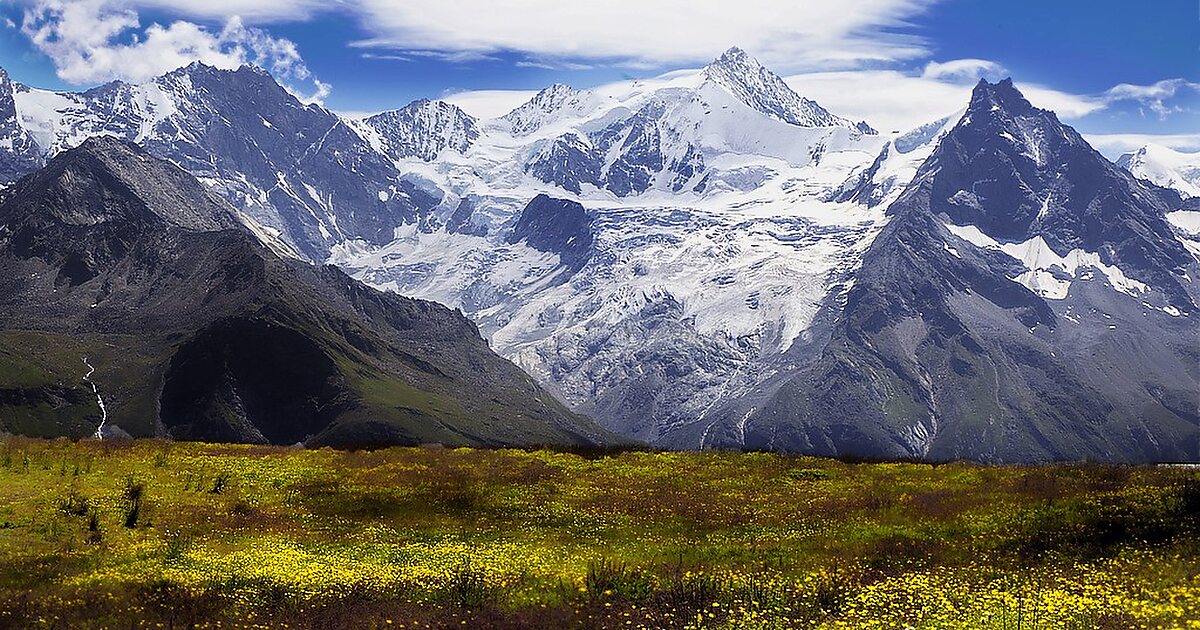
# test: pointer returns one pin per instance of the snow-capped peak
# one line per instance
(423, 128)
(545, 107)
(753, 84)
(1166, 167)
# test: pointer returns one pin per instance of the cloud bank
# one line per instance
(782, 33)
(93, 41)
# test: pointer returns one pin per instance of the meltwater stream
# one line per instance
(100, 401)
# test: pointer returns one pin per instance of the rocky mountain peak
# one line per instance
(107, 180)
(735, 58)
(1002, 95)
(424, 128)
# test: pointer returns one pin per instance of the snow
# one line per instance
(743, 262)
(1188, 221)
(1165, 167)
(747, 260)
(1046, 273)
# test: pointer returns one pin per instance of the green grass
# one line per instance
(128, 371)
(158, 534)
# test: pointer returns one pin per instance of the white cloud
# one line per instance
(782, 33)
(962, 70)
(91, 41)
(887, 99)
(220, 10)
(1153, 96)
(1066, 105)
(893, 100)
(555, 65)
(489, 103)
(1113, 145)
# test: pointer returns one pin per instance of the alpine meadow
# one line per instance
(378, 314)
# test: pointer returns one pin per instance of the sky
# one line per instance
(1124, 73)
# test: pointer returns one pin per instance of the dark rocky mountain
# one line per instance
(558, 226)
(115, 260)
(1027, 301)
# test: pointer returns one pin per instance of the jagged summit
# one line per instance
(1001, 94)
(753, 84)
(535, 112)
(1016, 172)
(734, 56)
(107, 180)
(423, 129)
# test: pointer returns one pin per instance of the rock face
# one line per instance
(556, 226)
(1027, 301)
(115, 259)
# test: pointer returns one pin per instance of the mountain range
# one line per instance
(701, 259)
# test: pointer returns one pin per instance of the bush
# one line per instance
(134, 497)
(467, 587)
(607, 578)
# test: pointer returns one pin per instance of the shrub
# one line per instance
(134, 497)
(467, 587)
(608, 578)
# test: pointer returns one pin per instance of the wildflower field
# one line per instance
(176, 535)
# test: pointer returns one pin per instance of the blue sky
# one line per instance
(1116, 70)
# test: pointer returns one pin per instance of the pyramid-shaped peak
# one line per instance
(1001, 95)
(733, 54)
(544, 106)
(735, 60)
(106, 179)
(749, 81)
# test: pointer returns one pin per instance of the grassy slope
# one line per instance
(129, 372)
(262, 537)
